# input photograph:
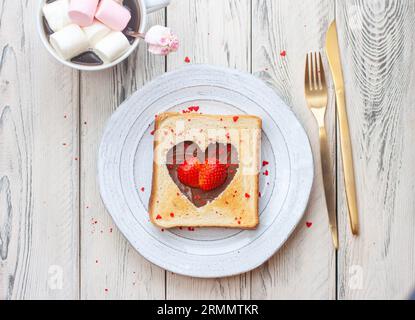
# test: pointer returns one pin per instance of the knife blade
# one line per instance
(334, 59)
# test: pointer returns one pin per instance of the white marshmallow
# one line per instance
(69, 41)
(56, 14)
(112, 46)
(96, 32)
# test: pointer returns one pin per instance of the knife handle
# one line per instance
(328, 185)
(347, 157)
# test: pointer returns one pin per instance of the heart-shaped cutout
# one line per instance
(224, 153)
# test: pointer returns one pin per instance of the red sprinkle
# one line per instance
(106, 290)
(191, 229)
(265, 163)
(152, 132)
(142, 189)
(162, 230)
(266, 173)
(158, 217)
(247, 195)
(172, 215)
(187, 60)
(110, 230)
(283, 53)
(239, 222)
(259, 194)
(235, 118)
(193, 108)
(308, 224)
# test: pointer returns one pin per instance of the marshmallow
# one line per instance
(112, 46)
(82, 12)
(96, 32)
(113, 14)
(56, 14)
(69, 41)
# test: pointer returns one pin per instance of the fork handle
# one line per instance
(328, 185)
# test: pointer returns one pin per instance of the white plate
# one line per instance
(125, 165)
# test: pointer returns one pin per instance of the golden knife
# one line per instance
(333, 56)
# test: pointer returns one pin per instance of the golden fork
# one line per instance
(316, 96)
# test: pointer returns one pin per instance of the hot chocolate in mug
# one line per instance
(139, 10)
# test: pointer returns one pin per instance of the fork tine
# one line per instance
(310, 55)
(306, 70)
(313, 71)
(315, 65)
(318, 71)
(322, 75)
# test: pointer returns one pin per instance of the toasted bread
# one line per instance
(233, 206)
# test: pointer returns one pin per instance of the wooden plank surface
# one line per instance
(58, 242)
(378, 50)
(220, 35)
(111, 268)
(38, 166)
(283, 32)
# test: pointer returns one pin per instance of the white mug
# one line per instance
(146, 7)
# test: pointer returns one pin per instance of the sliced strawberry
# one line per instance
(188, 172)
(212, 174)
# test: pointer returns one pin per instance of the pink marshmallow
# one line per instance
(82, 12)
(113, 14)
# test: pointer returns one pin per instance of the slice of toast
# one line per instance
(235, 203)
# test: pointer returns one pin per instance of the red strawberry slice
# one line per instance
(188, 172)
(212, 174)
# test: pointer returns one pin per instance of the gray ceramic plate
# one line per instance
(125, 165)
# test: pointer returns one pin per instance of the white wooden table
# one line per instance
(53, 225)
